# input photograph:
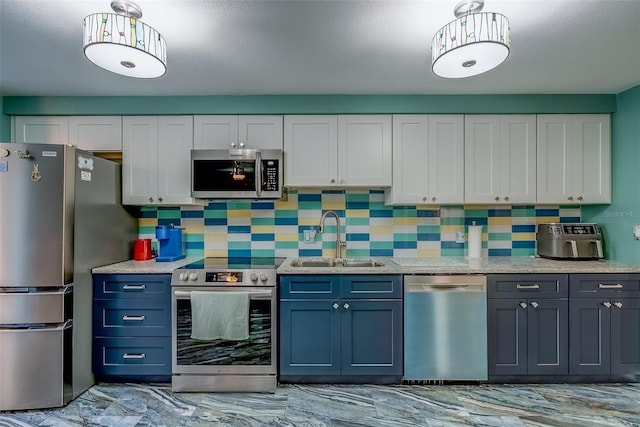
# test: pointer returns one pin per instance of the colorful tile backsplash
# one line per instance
(276, 228)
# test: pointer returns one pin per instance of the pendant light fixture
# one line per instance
(472, 44)
(119, 43)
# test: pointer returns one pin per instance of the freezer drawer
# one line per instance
(445, 328)
(36, 364)
(36, 306)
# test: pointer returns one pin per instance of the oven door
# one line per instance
(255, 355)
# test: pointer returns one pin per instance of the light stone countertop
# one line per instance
(404, 265)
(144, 267)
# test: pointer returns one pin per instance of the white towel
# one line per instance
(219, 315)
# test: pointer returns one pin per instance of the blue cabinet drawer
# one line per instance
(372, 286)
(528, 286)
(613, 285)
(131, 318)
(309, 287)
(132, 357)
(114, 286)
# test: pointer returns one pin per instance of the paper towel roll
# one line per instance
(475, 241)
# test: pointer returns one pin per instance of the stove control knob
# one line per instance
(263, 277)
(183, 276)
(253, 277)
(193, 276)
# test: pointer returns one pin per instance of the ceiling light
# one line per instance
(472, 44)
(119, 43)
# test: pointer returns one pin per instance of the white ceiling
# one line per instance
(323, 47)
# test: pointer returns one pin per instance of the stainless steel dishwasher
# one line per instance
(445, 328)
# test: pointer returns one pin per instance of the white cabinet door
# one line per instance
(518, 158)
(41, 129)
(500, 159)
(175, 141)
(156, 160)
(215, 131)
(592, 171)
(260, 131)
(482, 158)
(96, 133)
(310, 150)
(410, 160)
(364, 150)
(574, 158)
(231, 131)
(139, 160)
(446, 159)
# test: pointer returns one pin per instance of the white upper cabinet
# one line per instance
(156, 160)
(229, 131)
(41, 129)
(346, 151)
(96, 133)
(428, 161)
(500, 159)
(574, 158)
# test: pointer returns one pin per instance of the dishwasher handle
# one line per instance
(449, 287)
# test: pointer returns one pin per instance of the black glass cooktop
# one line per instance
(235, 263)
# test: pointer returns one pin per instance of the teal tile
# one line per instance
(357, 221)
(314, 205)
(239, 205)
(476, 213)
(358, 252)
(263, 221)
(286, 213)
(452, 221)
(265, 253)
(239, 245)
(195, 237)
(287, 245)
(431, 229)
(500, 236)
(523, 212)
(147, 230)
(358, 197)
(169, 214)
(404, 213)
(451, 252)
(405, 237)
(195, 253)
(381, 245)
(215, 213)
(523, 252)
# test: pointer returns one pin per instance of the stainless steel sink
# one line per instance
(334, 262)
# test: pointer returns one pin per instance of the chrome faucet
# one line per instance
(341, 246)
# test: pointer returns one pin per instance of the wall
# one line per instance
(5, 126)
(275, 228)
(619, 218)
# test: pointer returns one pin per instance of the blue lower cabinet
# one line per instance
(132, 327)
(354, 337)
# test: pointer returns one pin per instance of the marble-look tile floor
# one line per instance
(144, 405)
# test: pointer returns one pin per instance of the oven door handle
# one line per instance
(252, 295)
(258, 172)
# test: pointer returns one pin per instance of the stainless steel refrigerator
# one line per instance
(60, 216)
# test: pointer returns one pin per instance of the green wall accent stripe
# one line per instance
(308, 104)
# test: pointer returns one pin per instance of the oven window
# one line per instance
(256, 350)
(223, 175)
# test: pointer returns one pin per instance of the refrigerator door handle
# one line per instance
(34, 327)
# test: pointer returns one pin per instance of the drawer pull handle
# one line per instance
(534, 286)
(611, 286)
(136, 318)
(133, 356)
(134, 287)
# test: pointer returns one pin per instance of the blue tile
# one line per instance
(547, 212)
(357, 237)
(262, 205)
(239, 253)
(428, 237)
(448, 244)
(237, 229)
(381, 252)
(357, 205)
(499, 252)
(520, 244)
(286, 221)
(380, 213)
(263, 237)
(566, 219)
(148, 214)
(310, 252)
(169, 208)
(428, 213)
(523, 207)
(215, 221)
(169, 221)
(216, 206)
(332, 191)
(309, 197)
(405, 245)
(192, 214)
(523, 228)
(499, 212)
(376, 191)
(195, 245)
(340, 213)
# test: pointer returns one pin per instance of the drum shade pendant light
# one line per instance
(472, 44)
(119, 43)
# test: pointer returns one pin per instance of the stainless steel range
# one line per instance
(224, 325)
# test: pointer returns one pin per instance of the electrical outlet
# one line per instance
(636, 232)
(460, 236)
(310, 235)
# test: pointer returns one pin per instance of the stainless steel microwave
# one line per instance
(244, 173)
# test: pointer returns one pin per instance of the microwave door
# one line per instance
(258, 174)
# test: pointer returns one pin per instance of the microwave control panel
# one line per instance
(271, 175)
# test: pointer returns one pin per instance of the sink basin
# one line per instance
(333, 262)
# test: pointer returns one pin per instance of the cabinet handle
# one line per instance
(618, 304)
(533, 286)
(424, 199)
(506, 199)
(607, 304)
(534, 304)
(136, 318)
(580, 198)
(134, 287)
(346, 306)
(523, 304)
(160, 199)
(497, 199)
(150, 199)
(134, 356)
(570, 197)
(610, 286)
(433, 199)
(333, 181)
(335, 306)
